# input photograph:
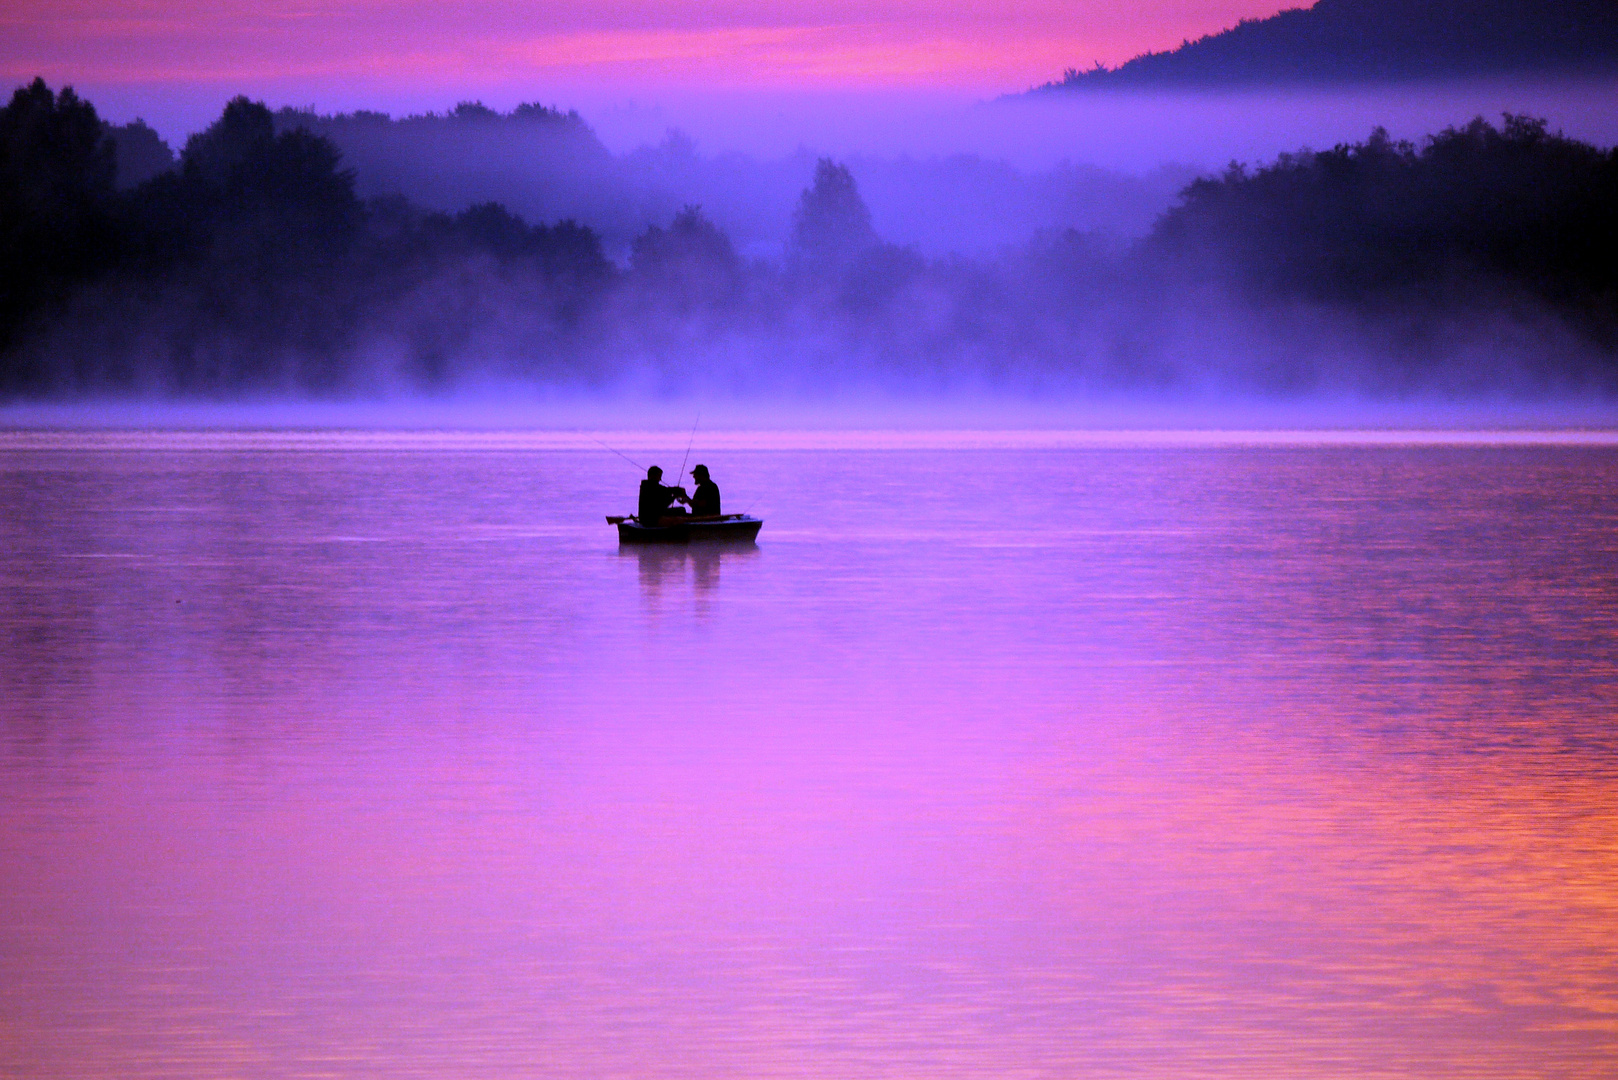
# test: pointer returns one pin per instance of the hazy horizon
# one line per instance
(722, 419)
(1130, 131)
(995, 256)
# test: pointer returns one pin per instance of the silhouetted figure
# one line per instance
(705, 499)
(655, 498)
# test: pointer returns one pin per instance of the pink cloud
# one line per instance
(729, 43)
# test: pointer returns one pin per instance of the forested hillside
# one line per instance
(1359, 41)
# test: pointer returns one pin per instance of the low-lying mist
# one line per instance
(513, 258)
(1128, 131)
(943, 173)
(548, 165)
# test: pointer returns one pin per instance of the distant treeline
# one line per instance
(251, 266)
(547, 164)
(1358, 41)
(1381, 220)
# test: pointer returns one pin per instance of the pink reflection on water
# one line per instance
(1124, 762)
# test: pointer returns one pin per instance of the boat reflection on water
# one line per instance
(668, 566)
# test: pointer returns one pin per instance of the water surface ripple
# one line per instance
(339, 757)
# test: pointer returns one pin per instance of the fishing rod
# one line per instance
(626, 457)
(689, 443)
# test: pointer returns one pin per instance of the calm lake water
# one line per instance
(375, 756)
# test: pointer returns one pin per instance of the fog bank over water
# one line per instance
(1009, 419)
(949, 172)
(941, 171)
(478, 255)
(1133, 131)
(1127, 130)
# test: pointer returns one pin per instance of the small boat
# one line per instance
(680, 530)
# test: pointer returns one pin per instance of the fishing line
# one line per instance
(626, 457)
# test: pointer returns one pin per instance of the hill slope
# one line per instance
(1348, 41)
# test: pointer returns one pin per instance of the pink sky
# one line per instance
(494, 49)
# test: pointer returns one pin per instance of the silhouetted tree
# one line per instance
(248, 171)
(227, 148)
(474, 110)
(532, 111)
(141, 153)
(570, 252)
(258, 227)
(56, 160)
(567, 255)
(689, 264)
(832, 225)
(56, 181)
(1365, 221)
(540, 162)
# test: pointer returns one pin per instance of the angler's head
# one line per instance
(654, 473)
(700, 472)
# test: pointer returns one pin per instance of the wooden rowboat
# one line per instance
(680, 530)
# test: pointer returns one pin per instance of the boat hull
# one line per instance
(731, 527)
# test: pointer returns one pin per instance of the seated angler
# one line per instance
(655, 498)
(705, 499)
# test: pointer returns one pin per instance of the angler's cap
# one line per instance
(653, 473)
(699, 470)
